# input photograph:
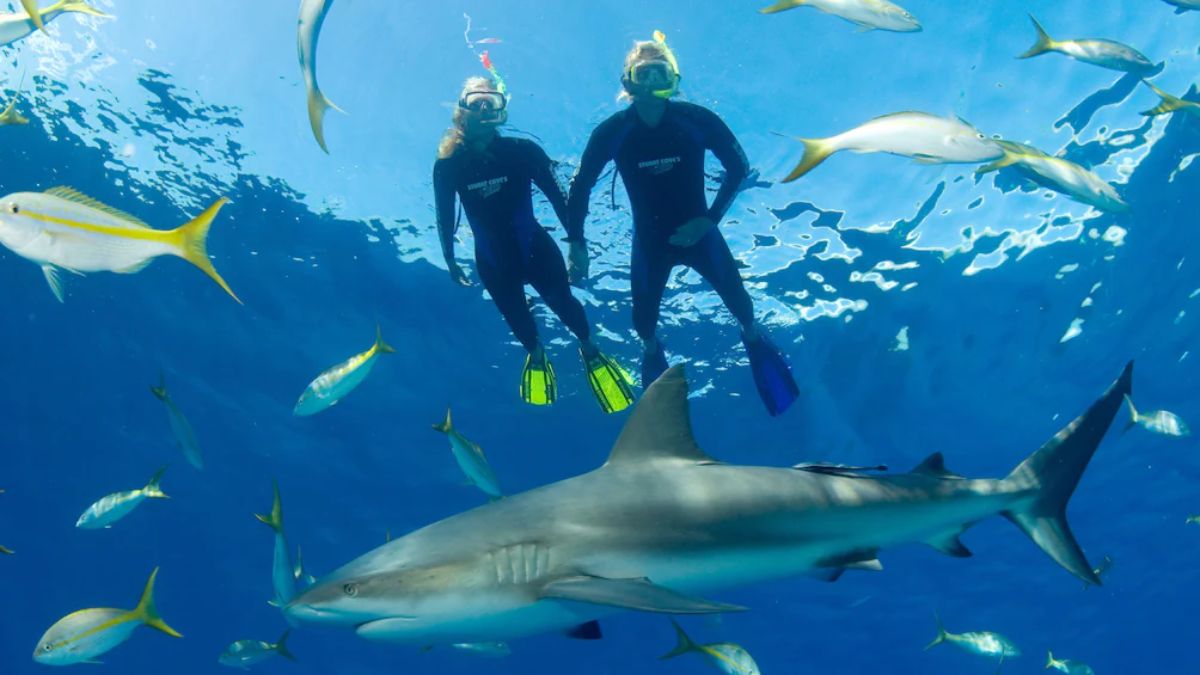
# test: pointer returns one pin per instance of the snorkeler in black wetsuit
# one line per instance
(493, 177)
(659, 148)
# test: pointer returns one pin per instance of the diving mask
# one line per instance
(489, 107)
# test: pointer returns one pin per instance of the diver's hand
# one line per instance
(459, 276)
(692, 231)
(577, 262)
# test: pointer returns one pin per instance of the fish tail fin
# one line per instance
(160, 392)
(275, 519)
(317, 105)
(192, 242)
(815, 152)
(282, 648)
(1049, 659)
(1043, 44)
(77, 6)
(35, 15)
(1168, 104)
(381, 346)
(1052, 473)
(683, 643)
(1008, 159)
(153, 489)
(941, 633)
(1133, 414)
(782, 5)
(446, 426)
(147, 611)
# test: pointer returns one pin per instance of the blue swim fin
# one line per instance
(772, 374)
(653, 365)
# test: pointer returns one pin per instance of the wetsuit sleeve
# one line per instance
(596, 156)
(443, 197)
(545, 180)
(721, 141)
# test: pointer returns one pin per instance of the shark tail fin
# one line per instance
(153, 487)
(781, 6)
(282, 648)
(941, 633)
(275, 519)
(76, 6)
(683, 643)
(1052, 473)
(447, 426)
(816, 151)
(147, 611)
(1044, 42)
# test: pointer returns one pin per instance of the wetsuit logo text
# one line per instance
(489, 187)
(659, 166)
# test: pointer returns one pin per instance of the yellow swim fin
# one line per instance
(192, 243)
(610, 383)
(539, 385)
(147, 611)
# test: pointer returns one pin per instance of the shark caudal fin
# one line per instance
(1043, 44)
(147, 611)
(1053, 472)
(683, 643)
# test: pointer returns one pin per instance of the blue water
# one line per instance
(174, 104)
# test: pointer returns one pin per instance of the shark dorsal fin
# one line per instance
(659, 427)
(935, 466)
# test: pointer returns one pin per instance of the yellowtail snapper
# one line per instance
(1098, 52)
(17, 25)
(1170, 104)
(470, 459)
(334, 384)
(1057, 174)
(1159, 421)
(245, 653)
(866, 14)
(982, 643)
(725, 656)
(283, 575)
(82, 636)
(116, 506)
(181, 429)
(9, 116)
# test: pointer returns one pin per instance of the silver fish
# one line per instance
(312, 15)
(1098, 52)
(866, 14)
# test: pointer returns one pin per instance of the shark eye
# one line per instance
(350, 590)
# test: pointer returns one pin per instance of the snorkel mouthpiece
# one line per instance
(496, 113)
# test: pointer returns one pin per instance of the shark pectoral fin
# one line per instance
(637, 594)
(385, 629)
(951, 545)
(585, 631)
(830, 574)
(831, 569)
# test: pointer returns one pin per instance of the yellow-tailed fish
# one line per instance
(1182, 6)
(1059, 175)
(17, 25)
(334, 384)
(470, 459)
(84, 635)
(63, 229)
(1159, 421)
(1170, 104)
(283, 575)
(9, 116)
(312, 15)
(245, 653)
(181, 429)
(1068, 666)
(981, 643)
(1098, 52)
(116, 506)
(4, 549)
(866, 14)
(725, 656)
(928, 139)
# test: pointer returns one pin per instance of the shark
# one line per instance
(661, 527)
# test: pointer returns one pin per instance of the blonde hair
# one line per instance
(641, 52)
(452, 140)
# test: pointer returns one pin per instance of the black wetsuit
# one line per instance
(511, 248)
(663, 171)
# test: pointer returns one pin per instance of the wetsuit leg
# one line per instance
(712, 259)
(650, 266)
(500, 272)
(547, 272)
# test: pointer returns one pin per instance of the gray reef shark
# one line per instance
(662, 524)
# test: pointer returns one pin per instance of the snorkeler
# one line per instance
(492, 175)
(658, 146)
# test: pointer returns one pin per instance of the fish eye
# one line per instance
(350, 589)
(13, 208)
(46, 647)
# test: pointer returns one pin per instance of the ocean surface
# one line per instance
(924, 309)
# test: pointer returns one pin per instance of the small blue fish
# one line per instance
(334, 384)
(981, 643)
(1158, 421)
(1068, 666)
(470, 459)
(245, 653)
(1098, 52)
(283, 575)
(116, 506)
(181, 429)
(727, 657)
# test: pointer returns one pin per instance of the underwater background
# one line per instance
(924, 309)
